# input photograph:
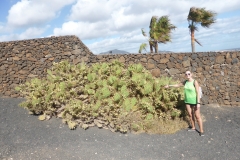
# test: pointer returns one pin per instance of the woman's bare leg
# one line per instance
(198, 117)
(191, 115)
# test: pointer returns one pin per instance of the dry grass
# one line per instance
(167, 127)
(156, 126)
(159, 126)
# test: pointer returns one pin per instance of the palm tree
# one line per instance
(160, 30)
(199, 16)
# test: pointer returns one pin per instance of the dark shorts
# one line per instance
(192, 105)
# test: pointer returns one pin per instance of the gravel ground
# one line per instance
(24, 137)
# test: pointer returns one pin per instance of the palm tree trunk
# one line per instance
(193, 41)
(151, 46)
(156, 47)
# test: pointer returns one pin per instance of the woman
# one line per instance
(192, 100)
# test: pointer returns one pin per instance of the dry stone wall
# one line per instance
(25, 59)
(217, 72)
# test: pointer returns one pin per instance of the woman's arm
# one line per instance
(174, 85)
(197, 90)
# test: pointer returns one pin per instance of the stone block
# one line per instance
(7, 93)
(164, 60)
(174, 71)
(199, 69)
(131, 62)
(178, 65)
(234, 55)
(157, 57)
(32, 75)
(186, 63)
(72, 57)
(56, 51)
(150, 61)
(171, 59)
(28, 55)
(180, 57)
(220, 59)
(143, 60)
(16, 58)
(217, 66)
(122, 59)
(76, 61)
(48, 56)
(15, 51)
(170, 65)
(236, 104)
(206, 62)
(76, 52)
(162, 66)
(24, 72)
(67, 53)
(32, 59)
(194, 56)
(235, 60)
(51, 59)
(229, 60)
(156, 72)
(150, 66)
(43, 60)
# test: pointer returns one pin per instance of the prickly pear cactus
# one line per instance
(106, 95)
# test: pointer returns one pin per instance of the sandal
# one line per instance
(201, 134)
(191, 129)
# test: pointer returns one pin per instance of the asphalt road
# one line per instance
(24, 137)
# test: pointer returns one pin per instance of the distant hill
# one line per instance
(165, 52)
(232, 49)
(115, 51)
(161, 52)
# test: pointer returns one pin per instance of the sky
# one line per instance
(105, 25)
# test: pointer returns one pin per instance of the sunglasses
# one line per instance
(188, 74)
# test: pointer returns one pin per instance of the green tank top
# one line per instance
(190, 94)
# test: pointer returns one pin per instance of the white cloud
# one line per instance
(126, 15)
(129, 42)
(209, 38)
(32, 33)
(27, 34)
(34, 12)
(219, 6)
(85, 30)
(117, 24)
(91, 11)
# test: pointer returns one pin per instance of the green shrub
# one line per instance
(107, 95)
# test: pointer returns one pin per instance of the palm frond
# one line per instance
(193, 27)
(202, 16)
(198, 42)
(195, 14)
(161, 29)
(142, 47)
(144, 33)
(153, 22)
(208, 18)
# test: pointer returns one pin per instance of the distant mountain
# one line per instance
(160, 52)
(115, 51)
(165, 52)
(232, 49)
